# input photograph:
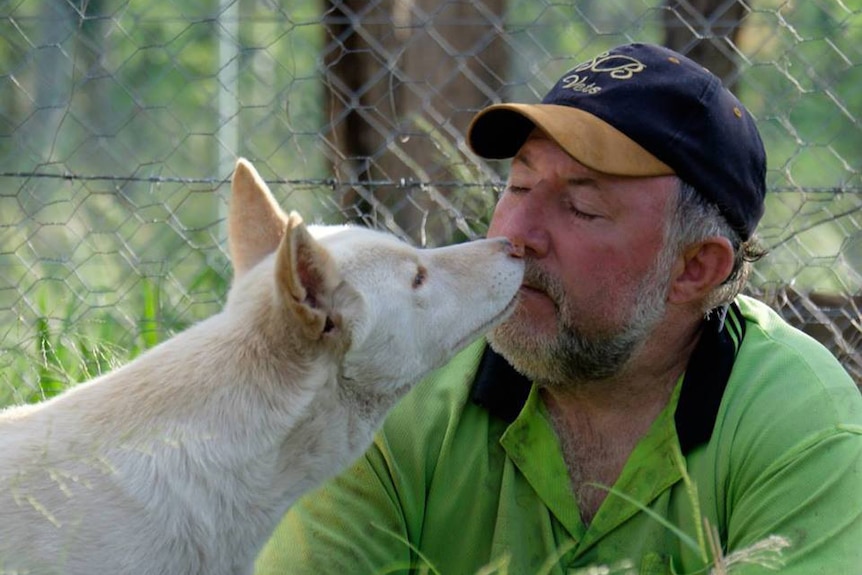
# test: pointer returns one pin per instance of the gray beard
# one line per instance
(573, 356)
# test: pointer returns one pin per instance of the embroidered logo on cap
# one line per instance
(616, 66)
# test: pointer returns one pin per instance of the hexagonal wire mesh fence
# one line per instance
(120, 122)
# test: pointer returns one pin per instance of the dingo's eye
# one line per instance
(419, 278)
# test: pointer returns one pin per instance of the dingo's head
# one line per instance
(386, 313)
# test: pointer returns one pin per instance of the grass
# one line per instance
(59, 349)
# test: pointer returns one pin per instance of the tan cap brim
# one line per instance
(498, 132)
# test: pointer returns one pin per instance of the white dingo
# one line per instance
(184, 460)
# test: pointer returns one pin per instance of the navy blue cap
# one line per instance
(644, 110)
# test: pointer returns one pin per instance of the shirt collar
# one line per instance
(503, 391)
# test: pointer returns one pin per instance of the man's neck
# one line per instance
(600, 422)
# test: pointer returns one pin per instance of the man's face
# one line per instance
(597, 275)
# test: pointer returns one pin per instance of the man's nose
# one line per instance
(525, 222)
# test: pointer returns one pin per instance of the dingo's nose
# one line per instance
(515, 249)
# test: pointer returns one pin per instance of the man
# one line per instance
(635, 412)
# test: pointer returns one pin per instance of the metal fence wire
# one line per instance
(120, 122)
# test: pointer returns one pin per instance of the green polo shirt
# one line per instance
(762, 436)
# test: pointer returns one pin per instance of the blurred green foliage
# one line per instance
(148, 103)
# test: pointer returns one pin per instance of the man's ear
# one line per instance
(701, 267)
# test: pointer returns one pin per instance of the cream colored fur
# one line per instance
(184, 460)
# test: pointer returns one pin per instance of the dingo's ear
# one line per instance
(306, 276)
(255, 221)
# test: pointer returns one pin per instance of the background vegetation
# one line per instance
(120, 121)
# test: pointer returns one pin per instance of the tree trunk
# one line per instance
(706, 31)
(403, 79)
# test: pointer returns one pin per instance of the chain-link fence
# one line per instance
(120, 122)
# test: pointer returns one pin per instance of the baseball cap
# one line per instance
(644, 110)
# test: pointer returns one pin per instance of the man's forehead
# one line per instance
(539, 143)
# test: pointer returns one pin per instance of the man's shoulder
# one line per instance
(785, 381)
(772, 348)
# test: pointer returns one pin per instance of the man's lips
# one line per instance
(537, 294)
(533, 291)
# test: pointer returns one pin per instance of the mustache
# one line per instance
(538, 278)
